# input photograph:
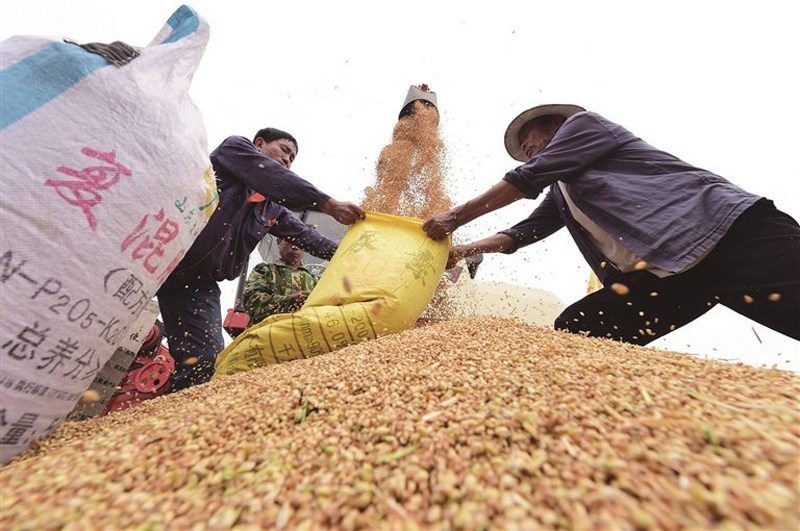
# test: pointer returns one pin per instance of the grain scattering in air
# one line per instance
(409, 173)
(469, 423)
(410, 181)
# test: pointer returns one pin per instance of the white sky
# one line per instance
(712, 82)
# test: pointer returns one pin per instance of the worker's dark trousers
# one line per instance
(753, 270)
(192, 318)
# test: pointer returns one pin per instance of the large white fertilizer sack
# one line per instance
(106, 183)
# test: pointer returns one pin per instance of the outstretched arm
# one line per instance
(285, 224)
(238, 157)
(498, 196)
(496, 243)
(543, 221)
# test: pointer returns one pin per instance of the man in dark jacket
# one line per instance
(256, 190)
(668, 240)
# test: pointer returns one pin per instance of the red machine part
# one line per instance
(236, 321)
(148, 375)
(153, 375)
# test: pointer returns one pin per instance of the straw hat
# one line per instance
(512, 133)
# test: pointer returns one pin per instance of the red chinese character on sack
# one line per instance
(151, 246)
(84, 191)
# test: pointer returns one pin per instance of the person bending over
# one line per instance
(668, 240)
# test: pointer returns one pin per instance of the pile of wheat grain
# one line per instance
(466, 424)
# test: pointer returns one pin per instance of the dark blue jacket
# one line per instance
(238, 224)
(661, 208)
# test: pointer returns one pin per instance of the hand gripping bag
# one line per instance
(380, 280)
(105, 184)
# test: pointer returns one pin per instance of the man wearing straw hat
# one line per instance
(668, 240)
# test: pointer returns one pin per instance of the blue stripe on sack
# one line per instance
(37, 79)
(184, 21)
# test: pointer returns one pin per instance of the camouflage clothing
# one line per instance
(276, 288)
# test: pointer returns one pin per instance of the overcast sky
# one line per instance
(712, 82)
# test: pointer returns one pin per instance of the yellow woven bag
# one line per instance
(379, 282)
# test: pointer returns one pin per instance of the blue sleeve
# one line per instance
(543, 221)
(583, 140)
(287, 225)
(238, 158)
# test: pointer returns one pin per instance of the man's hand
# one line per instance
(439, 226)
(298, 299)
(496, 243)
(344, 212)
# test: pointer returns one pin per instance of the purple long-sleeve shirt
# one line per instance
(237, 225)
(661, 208)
